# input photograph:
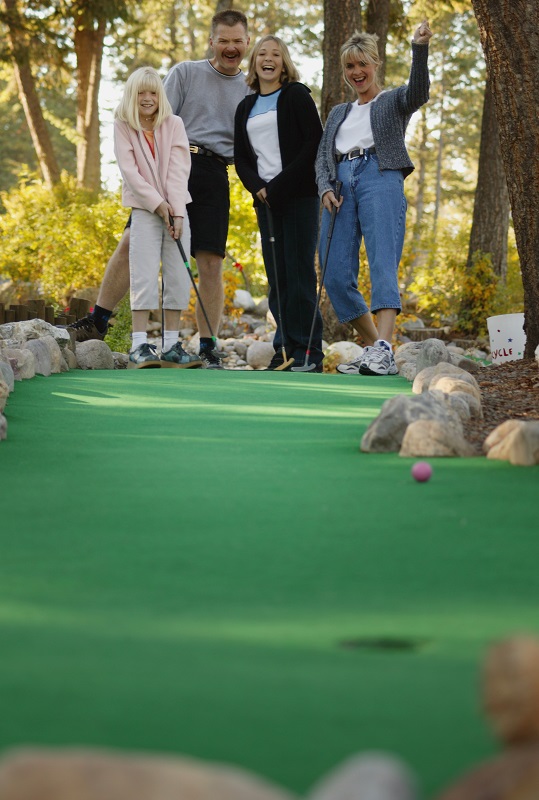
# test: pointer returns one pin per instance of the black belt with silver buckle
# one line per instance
(203, 151)
(358, 152)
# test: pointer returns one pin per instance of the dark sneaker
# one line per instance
(378, 360)
(210, 359)
(277, 362)
(144, 356)
(177, 357)
(86, 329)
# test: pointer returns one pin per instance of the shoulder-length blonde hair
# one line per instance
(361, 47)
(289, 73)
(144, 79)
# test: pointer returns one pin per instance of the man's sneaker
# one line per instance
(144, 356)
(379, 360)
(86, 329)
(210, 358)
(353, 367)
(177, 357)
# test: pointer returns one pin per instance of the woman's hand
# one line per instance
(422, 33)
(262, 195)
(164, 210)
(178, 227)
(329, 201)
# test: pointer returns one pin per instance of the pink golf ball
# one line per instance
(421, 471)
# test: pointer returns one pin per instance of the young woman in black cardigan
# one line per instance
(276, 137)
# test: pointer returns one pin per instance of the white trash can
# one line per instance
(507, 337)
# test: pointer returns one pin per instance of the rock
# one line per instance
(4, 394)
(347, 351)
(428, 438)
(386, 432)
(261, 308)
(408, 370)
(424, 379)
(70, 774)
(6, 372)
(3, 427)
(516, 441)
(537, 354)
(262, 331)
(407, 353)
(55, 353)
(452, 383)
(94, 354)
(369, 776)
(243, 299)
(42, 356)
(121, 360)
(466, 363)
(22, 362)
(260, 354)
(432, 352)
(240, 348)
(70, 359)
(34, 329)
(466, 406)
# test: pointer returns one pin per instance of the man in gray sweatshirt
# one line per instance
(205, 94)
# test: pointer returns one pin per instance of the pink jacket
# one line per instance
(148, 181)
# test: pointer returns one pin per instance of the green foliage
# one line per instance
(119, 336)
(243, 237)
(479, 288)
(58, 239)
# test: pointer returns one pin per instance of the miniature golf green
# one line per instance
(203, 562)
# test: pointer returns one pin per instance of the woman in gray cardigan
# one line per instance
(363, 147)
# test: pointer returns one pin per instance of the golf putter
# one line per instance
(195, 287)
(306, 366)
(287, 362)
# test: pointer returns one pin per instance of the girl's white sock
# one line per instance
(138, 338)
(170, 339)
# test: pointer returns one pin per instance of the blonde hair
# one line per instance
(289, 73)
(361, 47)
(144, 79)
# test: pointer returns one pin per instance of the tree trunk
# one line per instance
(89, 38)
(491, 204)
(341, 19)
(28, 94)
(510, 40)
(377, 21)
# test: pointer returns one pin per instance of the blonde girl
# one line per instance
(152, 152)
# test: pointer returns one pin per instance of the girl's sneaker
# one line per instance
(353, 367)
(177, 357)
(143, 356)
(378, 360)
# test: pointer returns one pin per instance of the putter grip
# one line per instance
(337, 193)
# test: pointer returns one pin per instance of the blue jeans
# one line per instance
(296, 228)
(374, 208)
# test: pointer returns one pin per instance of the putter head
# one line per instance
(284, 365)
(304, 368)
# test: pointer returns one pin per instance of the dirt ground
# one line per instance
(508, 391)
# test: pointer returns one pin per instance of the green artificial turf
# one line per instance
(203, 562)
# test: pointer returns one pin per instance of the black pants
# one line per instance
(296, 231)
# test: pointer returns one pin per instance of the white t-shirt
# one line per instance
(264, 137)
(356, 129)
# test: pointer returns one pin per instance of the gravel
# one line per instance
(508, 391)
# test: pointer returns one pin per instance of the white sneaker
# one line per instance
(352, 367)
(378, 361)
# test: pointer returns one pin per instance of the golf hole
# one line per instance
(384, 643)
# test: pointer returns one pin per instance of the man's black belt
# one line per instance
(358, 152)
(203, 151)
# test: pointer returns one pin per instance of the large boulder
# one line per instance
(94, 354)
(260, 354)
(23, 363)
(368, 776)
(429, 438)
(432, 352)
(516, 441)
(41, 774)
(41, 355)
(386, 432)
